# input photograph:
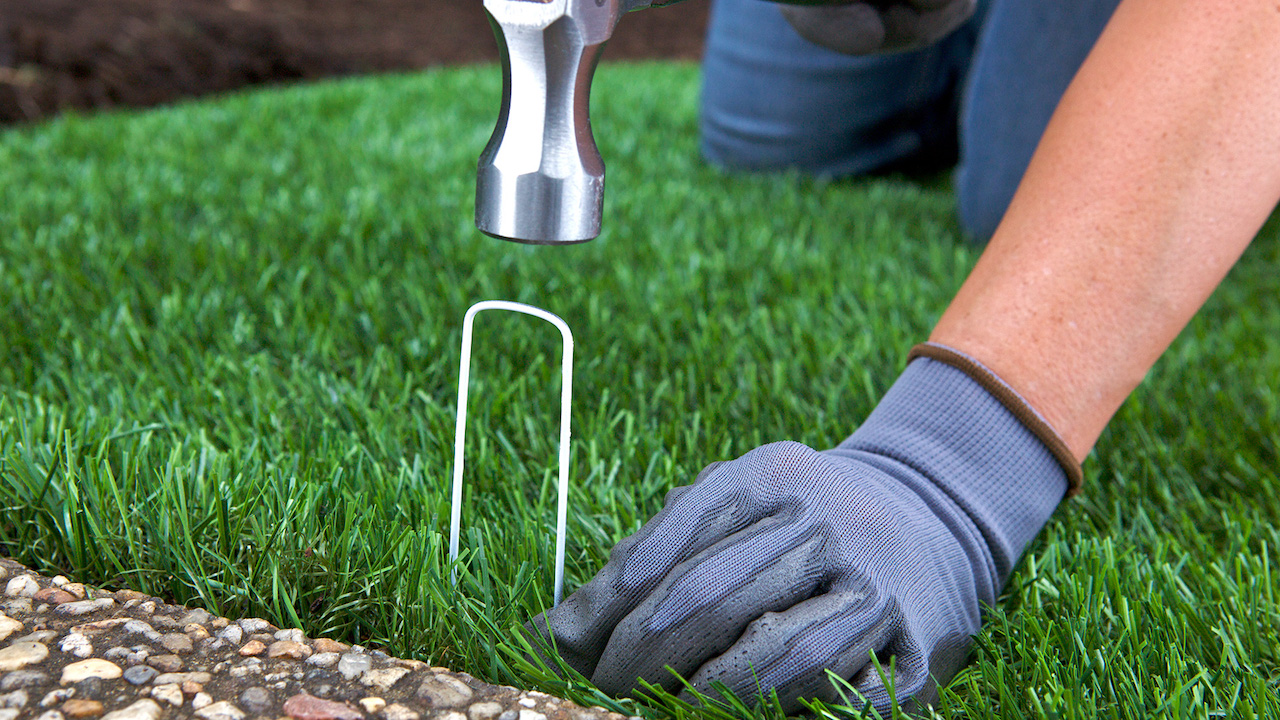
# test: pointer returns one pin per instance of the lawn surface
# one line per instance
(228, 366)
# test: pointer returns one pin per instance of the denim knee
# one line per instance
(772, 100)
(1027, 54)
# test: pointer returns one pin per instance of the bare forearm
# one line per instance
(1158, 168)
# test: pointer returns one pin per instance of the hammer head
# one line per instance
(541, 179)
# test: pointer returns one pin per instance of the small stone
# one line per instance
(254, 625)
(400, 712)
(8, 626)
(129, 595)
(8, 714)
(323, 659)
(93, 668)
(232, 634)
(22, 654)
(140, 674)
(171, 694)
(197, 616)
(452, 715)
(76, 644)
(15, 699)
(293, 634)
(372, 704)
(527, 714)
(76, 590)
(40, 636)
(256, 699)
(308, 707)
(84, 607)
(484, 711)
(190, 687)
(221, 710)
(140, 627)
(147, 607)
(59, 580)
(21, 586)
(22, 679)
(384, 678)
(144, 709)
(91, 628)
(289, 648)
(195, 677)
(53, 596)
(17, 606)
(89, 688)
(165, 622)
(444, 691)
(325, 645)
(51, 715)
(201, 700)
(252, 666)
(165, 663)
(527, 702)
(56, 696)
(508, 715)
(218, 623)
(195, 632)
(82, 708)
(177, 643)
(412, 664)
(253, 647)
(319, 675)
(352, 665)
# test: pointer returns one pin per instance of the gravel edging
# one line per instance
(68, 651)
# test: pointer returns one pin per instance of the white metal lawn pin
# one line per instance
(566, 390)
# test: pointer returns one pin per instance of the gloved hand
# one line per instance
(877, 26)
(782, 564)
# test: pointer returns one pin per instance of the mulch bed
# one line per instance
(89, 54)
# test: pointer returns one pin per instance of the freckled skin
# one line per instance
(1160, 165)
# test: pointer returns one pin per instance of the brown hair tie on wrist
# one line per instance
(1008, 397)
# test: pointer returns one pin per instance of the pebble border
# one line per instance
(71, 651)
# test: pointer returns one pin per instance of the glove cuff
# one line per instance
(1014, 402)
(938, 430)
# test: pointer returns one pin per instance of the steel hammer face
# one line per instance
(541, 179)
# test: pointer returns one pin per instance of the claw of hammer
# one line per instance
(541, 179)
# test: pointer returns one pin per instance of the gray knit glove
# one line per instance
(876, 26)
(785, 563)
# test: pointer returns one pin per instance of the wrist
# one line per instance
(1014, 402)
(939, 424)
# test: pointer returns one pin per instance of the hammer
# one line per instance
(540, 179)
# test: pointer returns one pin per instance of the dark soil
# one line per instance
(87, 54)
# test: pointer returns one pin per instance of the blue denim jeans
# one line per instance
(771, 100)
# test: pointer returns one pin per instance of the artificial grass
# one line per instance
(228, 357)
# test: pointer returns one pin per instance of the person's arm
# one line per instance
(1161, 163)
